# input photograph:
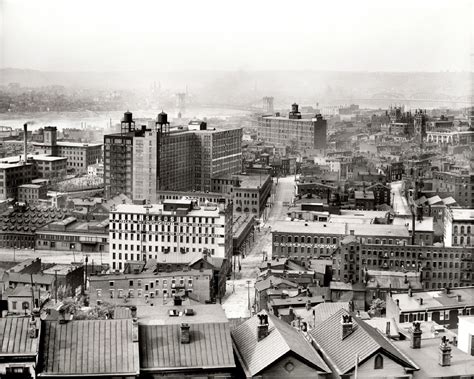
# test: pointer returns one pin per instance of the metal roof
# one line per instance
(88, 348)
(14, 339)
(363, 341)
(282, 339)
(210, 347)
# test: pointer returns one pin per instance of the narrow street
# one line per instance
(400, 205)
(238, 295)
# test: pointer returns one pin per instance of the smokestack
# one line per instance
(25, 139)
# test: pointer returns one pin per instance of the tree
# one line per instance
(377, 307)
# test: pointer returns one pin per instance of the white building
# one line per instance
(96, 169)
(175, 231)
(466, 334)
(458, 227)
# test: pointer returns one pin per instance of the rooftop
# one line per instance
(158, 209)
(282, 339)
(457, 297)
(364, 195)
(363, 341)
(89, 348)
(424, 225)
(160, 315)
(427, 359)
(14, 338)
(210, 346)
(340, 228)
(462, 214)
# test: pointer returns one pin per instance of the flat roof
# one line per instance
(159, 315)
(462, 214)
(158, 209)
(435, 299)
(283, 118)
(314, 227)
(427, 358)
(70, 144)
(32, 186)
(425, 225)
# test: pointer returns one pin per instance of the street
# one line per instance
(400, 205)
(238, 295)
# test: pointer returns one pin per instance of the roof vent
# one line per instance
(189, 312)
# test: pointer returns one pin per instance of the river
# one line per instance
(103, 119)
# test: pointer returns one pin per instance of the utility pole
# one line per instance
(56, 286)
(248, 295)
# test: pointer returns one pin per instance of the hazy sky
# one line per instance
(361, 35)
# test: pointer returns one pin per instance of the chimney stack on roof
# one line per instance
(308, 305)
(135, 329)
(387, 329)
(415, 332)
(421, 300)
(33, 329)
(410, 292)
(262, 327)
(347, 326)
(444, 352)
(62, 315)
(185, 333)
(133, 311)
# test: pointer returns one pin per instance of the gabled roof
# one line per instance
(282, 339)
(325, 310)
(210, 346)
(14, 338)
(88, 348)
(364, 341)
(267, 283)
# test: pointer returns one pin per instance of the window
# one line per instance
(378, 364)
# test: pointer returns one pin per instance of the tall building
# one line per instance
(175, 231)
(79, 155)
(295, 131)
(139, 162)
(268, 105)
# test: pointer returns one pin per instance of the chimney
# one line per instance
(262, 327)
(351, 232)
(33, 324)
(415, 333)
(459, 298)
(410, 292)
(387, 329)
(398, 303)
(406, 279)
(447, 290)
(134, 328)
(62, 315)
(185, 333)
(25, 139)
(444, 352)
(347, 326)
(177, 301)
(133, 311)
(308, 305)
(421, 301)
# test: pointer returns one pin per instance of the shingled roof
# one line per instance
(282, 338)
(88, 348)
(363, 341)
(14, 338)
(210, 347)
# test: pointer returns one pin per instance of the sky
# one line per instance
(175, 35)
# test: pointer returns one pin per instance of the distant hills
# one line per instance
(249, 86)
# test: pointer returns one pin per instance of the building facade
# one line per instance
(459, 227)
(295, 131)
(459, 185)
(174, 231)
(79, 155)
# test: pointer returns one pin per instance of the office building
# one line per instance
(295, 131)
(176, 231)
(140, 162)
(79, 155)
(13, 175)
